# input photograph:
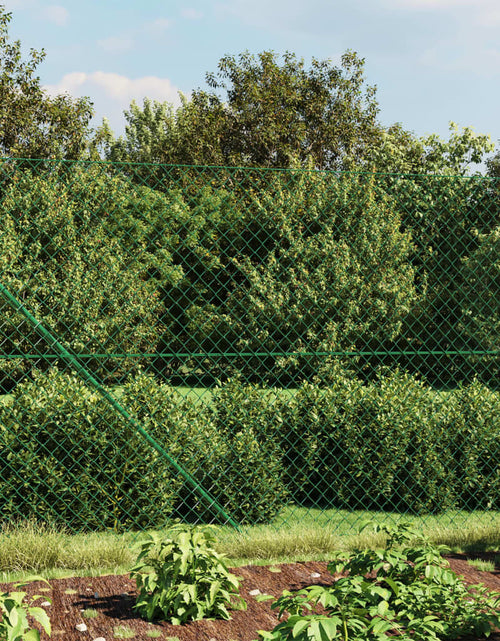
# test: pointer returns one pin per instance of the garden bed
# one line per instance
(109, 601)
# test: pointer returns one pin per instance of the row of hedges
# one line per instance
(394, 444)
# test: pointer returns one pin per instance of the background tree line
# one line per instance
(306, 267)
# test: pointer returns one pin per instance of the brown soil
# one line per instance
(113, 597)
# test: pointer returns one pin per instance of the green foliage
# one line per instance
(245, 472)
(76, 461)
(272, 113)
(405, 589)
(67, 457)
(392, 444)
(188, 580)
(479, 297)
(400, 151)
(472, 420)
(14, 611)
(61, 256)
(452, 221)
(32, 123)
(326, 272)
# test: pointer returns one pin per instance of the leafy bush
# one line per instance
(325, 271)
(76, 461)
(471, 418)
(66, 456)
(406, 589)
(189, 579)
(59, 255)
(479, 297)
(242, 465)
(392, 444)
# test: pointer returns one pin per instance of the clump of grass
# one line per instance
(123, 632)
(90, 613)
(155, 634)
(481, 565)
(29, 546)
(297, 534)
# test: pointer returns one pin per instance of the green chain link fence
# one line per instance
(226, 345)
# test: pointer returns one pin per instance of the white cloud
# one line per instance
(481, 61)
(432, 4)
(112, 93)
(115, 86)
(158, 27)
(14, 5)
(191, 14)
(489, 16)
(56, 14)
(115, 44)
(479, 12)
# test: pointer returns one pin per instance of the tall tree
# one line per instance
(32, 123)
(261, 111)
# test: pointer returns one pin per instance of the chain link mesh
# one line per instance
(226, 345)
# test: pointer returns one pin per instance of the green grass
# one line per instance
(123, 632)
(298, 534)
(482, 566)
(90, 614)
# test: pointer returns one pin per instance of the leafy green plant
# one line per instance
(14, 611)
(59, 251)
(188, 580)
(246, 475)
(406, 589)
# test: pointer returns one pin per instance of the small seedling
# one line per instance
(155, 634)
(90, 613)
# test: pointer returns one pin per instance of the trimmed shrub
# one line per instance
(472, 420)
(68, 457)
(383, 446)
(243, 468)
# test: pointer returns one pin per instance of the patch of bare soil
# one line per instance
(112, 599)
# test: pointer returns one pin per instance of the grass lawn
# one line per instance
(297, 534)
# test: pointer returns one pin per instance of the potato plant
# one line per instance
(405, 589)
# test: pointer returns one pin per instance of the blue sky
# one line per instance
(433, 61)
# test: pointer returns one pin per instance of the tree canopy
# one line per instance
(261, 111)
(32, 123)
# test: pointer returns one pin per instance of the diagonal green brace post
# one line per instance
(87, 376)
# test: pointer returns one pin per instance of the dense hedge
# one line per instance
(395, 444)
(66, 456)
